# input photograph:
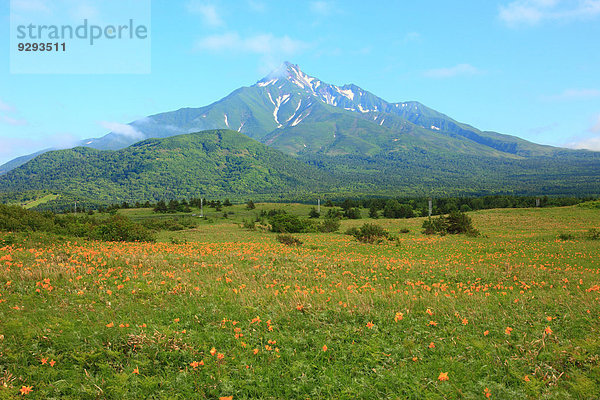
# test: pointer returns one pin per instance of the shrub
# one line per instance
(334, 213)
(289, 240)
(373, 213)
(250, 205)
(314, 213)
(433, 225)
(404, 230)
(287, 223)
(352, 231)
(593, 234)
(250, 224)
(459, 222)
(456, 222)
(329, 225)
(370, 233)
(119, 228)
(566, 236)
(352, 213)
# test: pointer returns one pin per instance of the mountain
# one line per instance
(217, 162)
(358, 142)
(297, 113)
(289, 109)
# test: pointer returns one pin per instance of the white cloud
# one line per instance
(122, 129)
(574, 94)
(323, 8)
(208, 12)
(590, 142)
(259, 44)
(257, 6)
(6, 107)
(532, 12)
(12, 121)
(595, 128)
(412, 37)
(272, 49)
(451, 72)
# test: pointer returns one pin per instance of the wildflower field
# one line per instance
(224, 312)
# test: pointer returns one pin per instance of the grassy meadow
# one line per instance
(220, 311)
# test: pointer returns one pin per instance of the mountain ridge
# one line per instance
(283, 99)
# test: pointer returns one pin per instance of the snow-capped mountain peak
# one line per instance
(348, 97)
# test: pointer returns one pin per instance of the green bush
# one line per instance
(289, 240)
(329, 225)
(593, 234)
(287, 223)
(334, 213)
(454, 223)
(314, 213)
(459, 222)
(119, 228)
(249, 224)
(565, 236)
(371, 233)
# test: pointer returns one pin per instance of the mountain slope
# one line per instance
(215, 163)
(287, 98)
(358, 142)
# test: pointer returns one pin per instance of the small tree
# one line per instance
(329, 225)
(370, 233)
(373, 213)
(314, 213)
(352, 213)
(226, 203)
(250, 205)
(161, 207)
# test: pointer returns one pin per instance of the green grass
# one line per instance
(41, 201)
(237, 290)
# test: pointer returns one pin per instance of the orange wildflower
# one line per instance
(226, 398)
(486, 333)
(548, 331)
(220, 356)
(508, 330)
(324, 347)
(213, 351)
(487, 392)
(255, 351)
(398, 316)
(136, 371)
(44, 360)
(370, 324)
(428, 311)
(52, 362)
(465, 321)
(443, 376)
(26, 390)
(432, 323)
(110, 325)
(431, 345)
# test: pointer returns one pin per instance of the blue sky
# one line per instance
(529, 68)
